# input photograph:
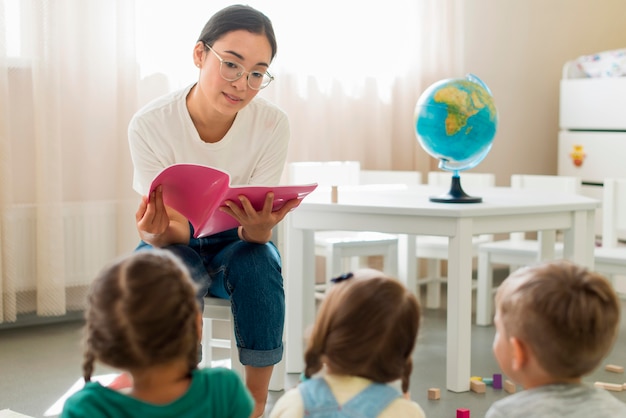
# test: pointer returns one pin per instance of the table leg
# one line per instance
(407, 262)
(579, 240)
(459, 327)
(299, 273)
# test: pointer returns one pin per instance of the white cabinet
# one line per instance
(592, 140)
(592, 156)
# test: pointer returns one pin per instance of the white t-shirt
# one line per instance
(253, 151)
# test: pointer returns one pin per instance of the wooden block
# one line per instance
(476, 378)
(434, 393)
(334, 194)
(624, 387)
(462, 413)
(509, 386)
(497, 381)
(615, 387)
(614, 368)
(477, 386)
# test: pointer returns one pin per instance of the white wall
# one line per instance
(518, 47)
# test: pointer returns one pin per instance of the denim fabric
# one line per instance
(319, 401)
(250, 276)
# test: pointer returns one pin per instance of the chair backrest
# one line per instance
(544, 182)
(324, 173)
(469, 180)
(563, 184)
(390, 177)
(613, 210)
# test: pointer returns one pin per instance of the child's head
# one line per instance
(142, 311)
(561, 314)
(366, 326)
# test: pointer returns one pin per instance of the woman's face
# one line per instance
(251, 50)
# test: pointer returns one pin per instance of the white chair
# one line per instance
(517, 250)
(435, 249)
(390, 177)
(337, 246)
(610, 258)
(216, 309)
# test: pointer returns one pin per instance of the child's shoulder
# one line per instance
(573, 400)
(92, 397)
(403, 407)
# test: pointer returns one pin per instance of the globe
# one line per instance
(456, 122)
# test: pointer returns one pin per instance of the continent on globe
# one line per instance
(462, 105)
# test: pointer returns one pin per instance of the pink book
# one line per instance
(197, 191)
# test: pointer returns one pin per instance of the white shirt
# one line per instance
(253, 151)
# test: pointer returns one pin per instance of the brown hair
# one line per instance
(142, 311)
(566, 314)
(238, 17)
(367, 327)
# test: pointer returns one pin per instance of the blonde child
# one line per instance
(555, 322)
(143, 319)
(362, 339)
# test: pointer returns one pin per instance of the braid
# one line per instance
(406, 374)
(313, 362)
(88, 361)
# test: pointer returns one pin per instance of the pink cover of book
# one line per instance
(197, 191)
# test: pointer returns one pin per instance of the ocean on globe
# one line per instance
(456, 122)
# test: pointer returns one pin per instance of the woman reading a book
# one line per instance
(218, 121)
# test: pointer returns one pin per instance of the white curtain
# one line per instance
(67, 89)
(72, 73)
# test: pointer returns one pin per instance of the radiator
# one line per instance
(94, 233)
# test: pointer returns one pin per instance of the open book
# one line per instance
(197, 191)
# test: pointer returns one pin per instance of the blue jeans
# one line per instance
(250, 276)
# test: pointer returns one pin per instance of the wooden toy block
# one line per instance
(434, 393)
(509, 386)
(334, 194)
(462, 413)
(477, 386)
(624, 387)
(497, 381)
(615, 387)
(488, 381)
(614, 368)
(476, 378)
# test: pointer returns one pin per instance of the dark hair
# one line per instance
(142, 311)
(238, 17)
(367, 326)
(566, 314)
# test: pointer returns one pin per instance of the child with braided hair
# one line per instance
(362, 340)
(143, 318)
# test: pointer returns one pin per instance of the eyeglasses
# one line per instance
(233, 71)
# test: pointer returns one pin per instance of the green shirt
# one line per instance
(218, 393)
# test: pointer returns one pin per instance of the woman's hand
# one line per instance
(158, 225)
(257, 226)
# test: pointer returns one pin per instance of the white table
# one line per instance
(406, 210)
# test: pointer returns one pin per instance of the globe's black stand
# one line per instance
(456, 194)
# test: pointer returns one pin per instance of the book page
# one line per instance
(197, 191)
(193, 190)
(221, 221)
